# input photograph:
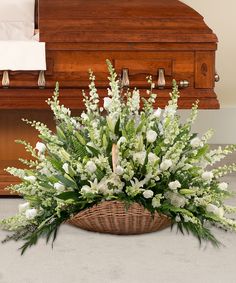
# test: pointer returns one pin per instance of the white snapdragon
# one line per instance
(31, 179)
(151, 136)
(174, 185)
(91, 167)
(196, 142)
(121, 140)
(65, 167)
(107, 103)
(207, 175)
(140, 157)
(219, 211)
(166, 164)
(23, 207)
(41, 147)
(84, 116)
(157, 113)
(119, 170)
(30, 213)
(59, 187)
(148, 194)
(223, 186)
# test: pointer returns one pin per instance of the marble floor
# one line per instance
(84, 257)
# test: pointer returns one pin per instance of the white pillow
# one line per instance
(17, 19)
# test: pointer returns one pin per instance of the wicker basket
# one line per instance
(112, 217)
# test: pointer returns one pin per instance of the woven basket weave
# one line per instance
(112, 217)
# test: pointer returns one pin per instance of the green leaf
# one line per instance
(80, 138)
(117, 128)
(94, 151)
(60, 133)
(68, 195)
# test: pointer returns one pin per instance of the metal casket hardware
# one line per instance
(161, 83)
(125, 78)
(5, 79)
(41, 80)
(184, 84)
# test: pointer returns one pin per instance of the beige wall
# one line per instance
(221, 17)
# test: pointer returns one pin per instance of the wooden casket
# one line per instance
(165, 39)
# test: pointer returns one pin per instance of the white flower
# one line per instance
(121, 140)
(152, 157)
(91, 167)
(207, 175)
(30, 213)
(140, 157)
(175, 199)
(86, 189)
(223, 186)
(23, 206)
(148, 194)
(59, 187)
(196, 142)
(151, 136)
(177, 218)
(156, 201)
(31, 179)
(66, 167)
(166, 164)
(84, 116)
(107, 102)
(174, 185)
(157, 113)
(119, 170)
(219, 211)
(41, 147)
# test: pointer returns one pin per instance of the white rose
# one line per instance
(174, 185)
(31, 179)
(157, 113)
(107, 103)
(223, 186)
(148, 194)
(23, 206)
(91, 167)
(59, 187)
(121, 140)
(31, 213)
(119, 170)
(196, 142)
(86, 189)
(66, 167)
(152, 157)
(207, 175)
(166, 164)
(140, 157)
(41, 147)
(151, 136)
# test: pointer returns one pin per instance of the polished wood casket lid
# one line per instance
(121, 21)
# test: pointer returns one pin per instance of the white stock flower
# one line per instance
(65, 167)
(174, 185)
(157, 113)
(223, 186)
(196, 142)
(166, 164)
(151, 136)
(91, 167)
(31, 179)
(140, 157)
(107, 102)
(156, 201)
(59, 187)
(148, 194)
(30, 213)
(207, 175)
(23, 206)
(119, 170)
(219, 211)
(84, 116)
(41, 147)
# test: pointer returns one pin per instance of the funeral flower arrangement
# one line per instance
(159, 164)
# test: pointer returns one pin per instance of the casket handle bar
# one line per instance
(41, 80)
(161, 82)
(217, 77)
(125, 78)
(5, 79)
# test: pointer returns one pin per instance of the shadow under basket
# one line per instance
(114, 218)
